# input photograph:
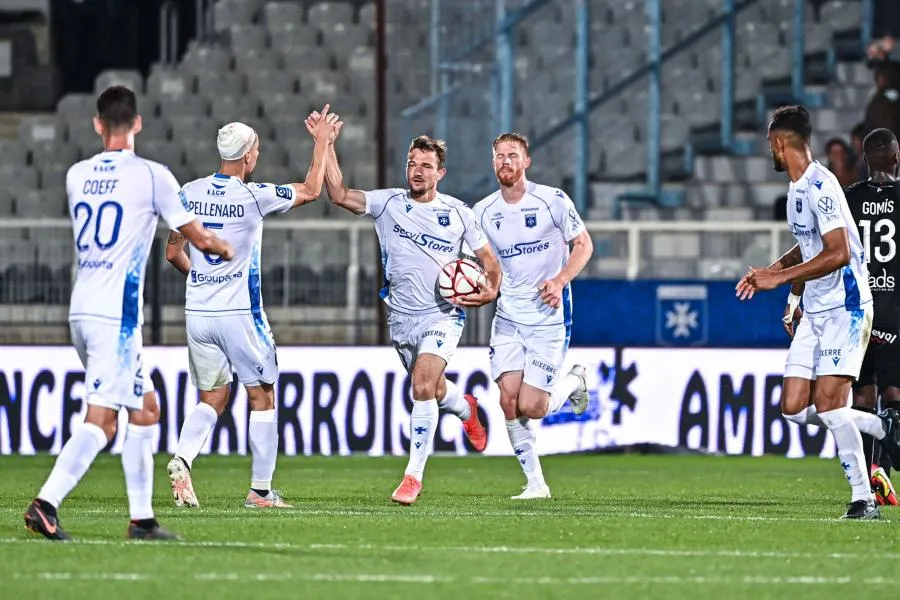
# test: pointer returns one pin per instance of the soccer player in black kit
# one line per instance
(875, 204)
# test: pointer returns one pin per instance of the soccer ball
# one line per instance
(460, 278)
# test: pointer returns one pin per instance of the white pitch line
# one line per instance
(429, 512)
(423, 579)
(576, 551)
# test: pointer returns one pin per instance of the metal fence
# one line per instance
(319, 277)
(624, 90)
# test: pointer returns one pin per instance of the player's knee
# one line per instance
(535, 408)
(509, 406)
(262, 397)
(424, 390)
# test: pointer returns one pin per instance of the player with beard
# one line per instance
(827, 349)
(531, 227)
(420, 230)
(875, 205)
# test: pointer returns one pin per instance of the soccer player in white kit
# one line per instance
(115, 199)
(226, 325)
(827, 349)
(421, 230)
(530, 227)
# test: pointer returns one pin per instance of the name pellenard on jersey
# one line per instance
(214, 209)
(873, 206)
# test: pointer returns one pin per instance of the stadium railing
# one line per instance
(318, 276)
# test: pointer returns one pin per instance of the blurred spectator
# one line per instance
(886, 18)
(780, 212)
(840, 161)
(856, 142)
(884, 107)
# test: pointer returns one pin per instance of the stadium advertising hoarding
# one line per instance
(345, 400)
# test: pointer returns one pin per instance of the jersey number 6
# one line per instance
(213, 259)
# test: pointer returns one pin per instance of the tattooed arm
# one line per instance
(176, 254)
(789, 259)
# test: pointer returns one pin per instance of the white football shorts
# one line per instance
(435, 333)
(537, 351)
(830, 343)
(218, 346)
(111, 356)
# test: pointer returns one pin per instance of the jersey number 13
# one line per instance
(885, 247)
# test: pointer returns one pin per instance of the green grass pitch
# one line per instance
(618, 527)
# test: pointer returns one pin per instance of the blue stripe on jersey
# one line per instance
(385, 283)
(460, 316)
(221, 176)
(567, 305)
(856, 319)
(253, 282)
(568, 339)
(851, 289)
(131, 291)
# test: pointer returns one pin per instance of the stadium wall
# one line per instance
(342, 401)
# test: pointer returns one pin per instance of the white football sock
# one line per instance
(564, 388)
(866, 422)
(263, 436)
(137, 462)
(72, 463)
(454, 402)
(523, 440)
(850, 450)
(422, 423)
(195, 431)
(807, 416)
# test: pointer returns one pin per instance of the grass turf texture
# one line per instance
(618, 527)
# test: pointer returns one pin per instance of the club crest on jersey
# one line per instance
(826, 205)
(799, 205)
(530, 221)
(444, 220)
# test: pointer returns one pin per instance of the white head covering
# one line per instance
(235, 140)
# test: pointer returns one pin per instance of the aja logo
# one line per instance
(530, 221)
(444, 220)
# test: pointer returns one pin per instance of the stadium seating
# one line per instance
(273, 61)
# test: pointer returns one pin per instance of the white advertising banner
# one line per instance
(342, 400)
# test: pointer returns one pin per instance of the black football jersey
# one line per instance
(876, 212)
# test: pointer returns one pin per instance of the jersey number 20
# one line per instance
(104, 237)
(885, 231)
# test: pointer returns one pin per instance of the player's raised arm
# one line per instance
(352, 200)
(324, 130)
(176, 255)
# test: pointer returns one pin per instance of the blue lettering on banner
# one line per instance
(356, 400)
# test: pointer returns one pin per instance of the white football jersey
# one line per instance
(815, 206)
(531, 237)
(234, 210)
(417, 239)
(115, 200)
